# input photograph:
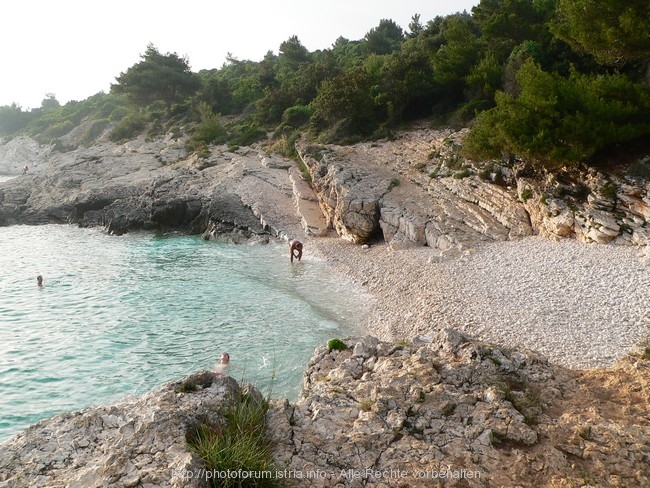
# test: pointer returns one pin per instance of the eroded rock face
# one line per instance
(601, 209)
(138, 441)
(445, 403)
(415, 190)
(348, 194)
(419, 190)
(20, 152)
(235, 196)
(390, 188)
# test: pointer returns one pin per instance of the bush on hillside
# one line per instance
(555, 120)
(128, 128)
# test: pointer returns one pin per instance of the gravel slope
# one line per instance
(582, 306)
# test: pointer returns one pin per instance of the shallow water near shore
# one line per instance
(121, 315)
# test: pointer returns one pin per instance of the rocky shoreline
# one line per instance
(459, 278)
(462, 413)
(437, 410)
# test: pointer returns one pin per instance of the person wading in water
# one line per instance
(295, 248)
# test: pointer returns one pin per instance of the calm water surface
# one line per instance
(121, 315)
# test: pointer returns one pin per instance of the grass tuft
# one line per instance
(239, 443)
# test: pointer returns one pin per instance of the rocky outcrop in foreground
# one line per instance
(437, 411)
(136, 442)
(447, 411)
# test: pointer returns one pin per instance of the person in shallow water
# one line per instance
(221, 369)
(39, 280)
(295, 248)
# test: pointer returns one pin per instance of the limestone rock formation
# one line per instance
(348, 194)
(447, 411)
(414, 190)
(156, 186)
(600, 208)
(439, 410)
(387, 188)
(419, 190)
(138, 441)
(21, 151)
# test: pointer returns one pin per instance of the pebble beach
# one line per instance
(580, 305)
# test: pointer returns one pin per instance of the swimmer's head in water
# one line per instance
(39, 280)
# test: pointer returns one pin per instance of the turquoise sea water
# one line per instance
(121, 315)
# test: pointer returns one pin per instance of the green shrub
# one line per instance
(129, 128)
(555, 120)
(610, 190)
(463, 173)
(526, 194)
(187, 387)
(336, 345)
(297, 116)
(449, 409)
(118, 114)
(304, 170)
(106, 109)
(58, 130)
(365, 405)
(156, 129)
(208, 131)
(157, 110)
(285, 144)
(247, 134)
(421, 167)
(211, 131)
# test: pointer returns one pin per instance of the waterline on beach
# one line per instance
(121, 315)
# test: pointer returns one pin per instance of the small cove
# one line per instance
(119, 316)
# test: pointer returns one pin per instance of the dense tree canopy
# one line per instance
(545, 79)
(559, 120)
(614, 31)
(165, 77)
(385, 38)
